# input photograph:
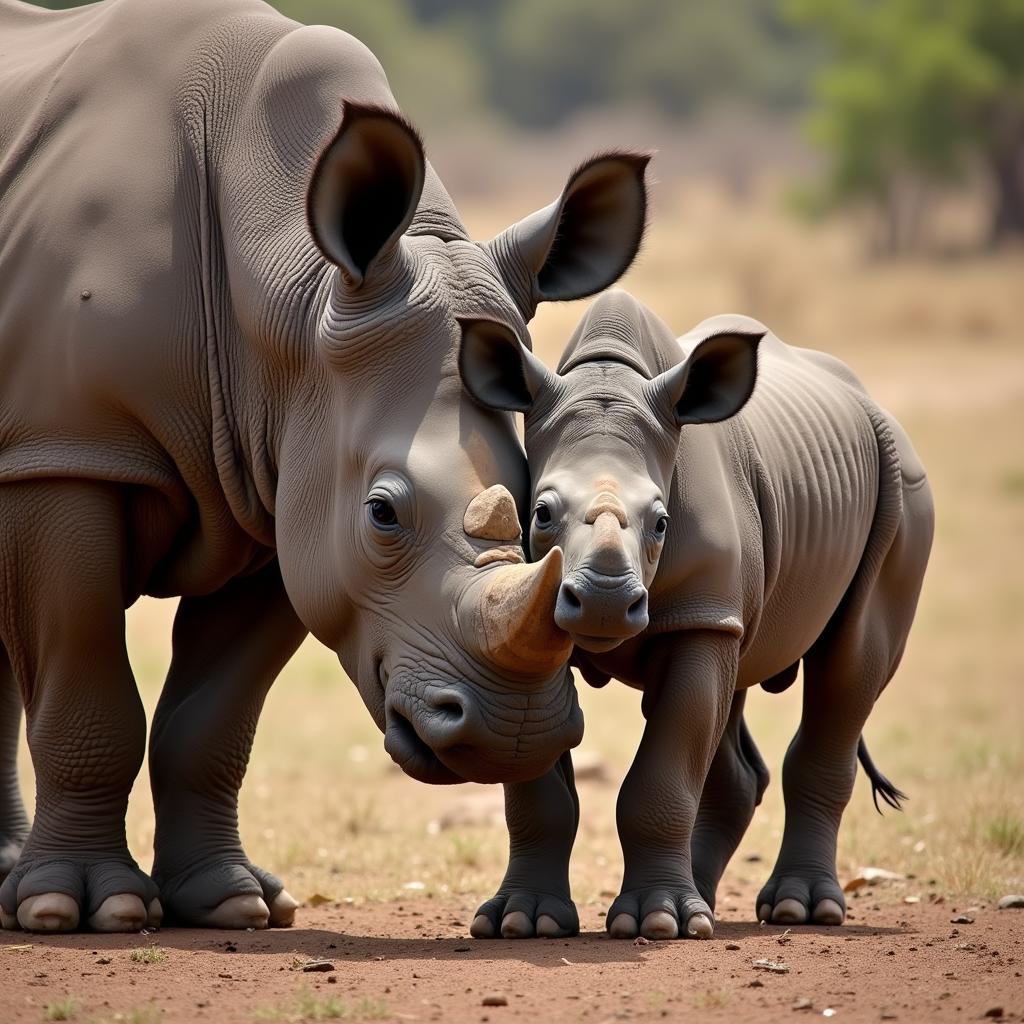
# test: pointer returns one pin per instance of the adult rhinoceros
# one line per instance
(232, 297)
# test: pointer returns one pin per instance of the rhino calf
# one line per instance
(715, 536)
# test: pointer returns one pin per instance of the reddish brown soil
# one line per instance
(412, 961)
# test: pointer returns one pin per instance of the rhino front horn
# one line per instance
(517, 618)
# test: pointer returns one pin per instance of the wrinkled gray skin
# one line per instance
(792, 527)
(232, 298)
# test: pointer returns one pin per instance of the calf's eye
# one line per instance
(542, 515)
(382, 513)
(661, 526)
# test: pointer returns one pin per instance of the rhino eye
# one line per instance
(382, 513)
(661, 526)
(542, 514)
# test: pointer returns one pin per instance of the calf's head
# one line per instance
(601, 437)
(398, 529)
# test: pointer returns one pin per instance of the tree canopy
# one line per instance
(919, 91)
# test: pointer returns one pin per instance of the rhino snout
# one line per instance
(599, 612)
(437, 720)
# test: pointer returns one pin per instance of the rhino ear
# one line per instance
(365, 188)
(497, 369)
(713, 383)
(585, 240)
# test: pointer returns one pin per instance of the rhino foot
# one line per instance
(10, 851)
(227, 895)
(518, 914)
(55, 894)
(667, 912)
(793, 899)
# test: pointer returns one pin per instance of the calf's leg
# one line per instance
(64, 634)
(534, 899)
(228, 649)
(692, 679)
(843, 675)
(735, 784)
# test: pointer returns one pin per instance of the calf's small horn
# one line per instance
(516, 617)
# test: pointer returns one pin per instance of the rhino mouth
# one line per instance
(413, 754)
(598, 644)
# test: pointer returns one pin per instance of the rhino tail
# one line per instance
(880, 785)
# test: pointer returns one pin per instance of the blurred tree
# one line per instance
(434, 76)
(538, 62)
(547, 60)
(915, 93)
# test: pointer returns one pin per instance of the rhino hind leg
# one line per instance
(86, 724)
(228, 649)
(735, 784)
(14, 826)
(843, 675)
(534, 899)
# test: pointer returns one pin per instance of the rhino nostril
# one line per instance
(570, 597)
(452, 710)
(637, 611)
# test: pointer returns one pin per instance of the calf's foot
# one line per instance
(226, 894)
(61, 893)
(808, 897)
(525, 914)
(661, 912)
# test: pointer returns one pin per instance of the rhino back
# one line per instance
(775, 508)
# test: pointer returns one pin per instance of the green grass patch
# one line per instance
(148, 1014)
(61, 1009)
(1006, 833)
(1012, 483)
(148, 955)
(310, 1007)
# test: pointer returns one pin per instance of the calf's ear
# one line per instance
(497, 370)
(713, 383)
(365, 189)
(584, 241)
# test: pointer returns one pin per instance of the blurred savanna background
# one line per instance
(852, 173)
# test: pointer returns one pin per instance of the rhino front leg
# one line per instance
(686, 704)
(735, 784)
(64, 632)
(228, 649)
(14, 825)
(534, 897)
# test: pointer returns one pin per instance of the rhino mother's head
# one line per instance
(398, 529)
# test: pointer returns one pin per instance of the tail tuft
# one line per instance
(880, 785)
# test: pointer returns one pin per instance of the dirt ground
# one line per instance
(411, 961)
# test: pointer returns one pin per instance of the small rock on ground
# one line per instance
(495, 999)
(1013, 901)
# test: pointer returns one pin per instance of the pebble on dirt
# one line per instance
(1012, 901)
(317, 967)
(495, 999)
(773, 966)
(962, 919)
